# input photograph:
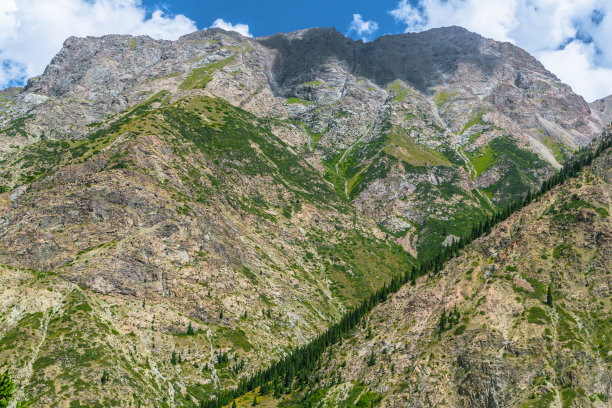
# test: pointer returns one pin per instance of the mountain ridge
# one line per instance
(241, 189)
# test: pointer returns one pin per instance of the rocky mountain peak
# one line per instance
(97, 67)
(603, 108)
(175, 215)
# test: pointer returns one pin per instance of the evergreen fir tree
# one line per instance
(234, 404)
(549, 296)
(6, 389)
(255, 403)
(298, 366)
(190, 331)
(442, 324)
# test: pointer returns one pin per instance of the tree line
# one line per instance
(293, 370)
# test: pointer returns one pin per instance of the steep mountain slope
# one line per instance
(443, 117)
(500, 343)
(189, 214)
(603, 108)
(175, 215)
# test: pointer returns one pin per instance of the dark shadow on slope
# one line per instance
(420, 59)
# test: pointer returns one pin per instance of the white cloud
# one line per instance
(412, 17)
(574, 65)
(552, 30)
(363, 29)
(226, 25)
(33, 31)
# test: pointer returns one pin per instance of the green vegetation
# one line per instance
(549, 296)
(314, 136)
(399, 90)
(504, 151)
(544, 401)
(236, 337)
(313, 83)
(296, 367)
(299, 101)
(476, 120)
(558, 150)
(565, 211)
(233, 143)
(537, 315)
(245, 146)
(6, 389)
(561, 250)
(199, 77)
(38, 160)
(399, 144)
(567, 397)
(450, 321)
(132, 43)
(367, 162)
(17, 127)
(443, 97)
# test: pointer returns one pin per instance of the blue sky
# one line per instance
(570, 37)
(273, 16)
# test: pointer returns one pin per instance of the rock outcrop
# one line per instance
(174, 215)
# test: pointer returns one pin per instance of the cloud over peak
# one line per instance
(363, 29)
(227, 26)
(571, 37)
(33, 31)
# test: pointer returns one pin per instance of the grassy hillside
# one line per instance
(485, 331)
(173, 215)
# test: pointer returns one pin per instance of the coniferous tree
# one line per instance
(442, 324)
(255, 403)
(190, 331)
(549, 296)
(105, 377)
(234, 404)
(294, 369)
(6, 389)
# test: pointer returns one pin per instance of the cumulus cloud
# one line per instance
(226, 25)
(574, 65)
(571, 37)
(363, 29)
(33, 31)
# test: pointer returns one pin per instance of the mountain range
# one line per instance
(177, 215)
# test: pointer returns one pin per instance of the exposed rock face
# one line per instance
(441, 116)
(507, 347)
(189, 214)
(453, 90)
(246, 187)
(603, 108)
